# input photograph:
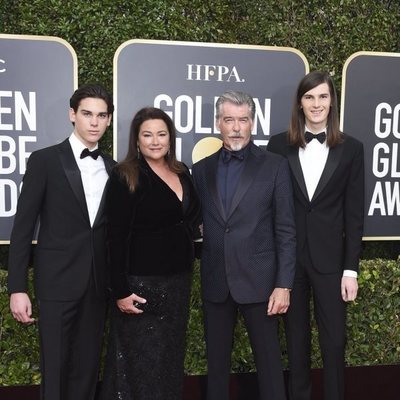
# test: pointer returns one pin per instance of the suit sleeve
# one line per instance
(354, 211)
(119, 214)
(29, 205)
(284, 227)
(193, 212)
(273, 145)
(198, 235)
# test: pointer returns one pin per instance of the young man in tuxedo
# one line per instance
(327, 168)
(248, 255)
(63, 187)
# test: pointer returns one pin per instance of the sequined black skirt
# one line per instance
(145, 352)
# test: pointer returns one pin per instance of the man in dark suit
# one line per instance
(248, 255)
(63, 186)
(327, 171)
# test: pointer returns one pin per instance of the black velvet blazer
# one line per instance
(149, 231)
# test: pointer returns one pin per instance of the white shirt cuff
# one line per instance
(350, 273)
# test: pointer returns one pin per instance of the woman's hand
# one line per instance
(129, 305)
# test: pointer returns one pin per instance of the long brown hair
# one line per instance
(129, 167)
(297, 121)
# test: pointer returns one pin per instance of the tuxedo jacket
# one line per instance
(249, 249)
(68, 248)
(329, 225)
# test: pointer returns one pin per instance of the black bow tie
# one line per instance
(228, 155)
(94, 154)
(308, 136)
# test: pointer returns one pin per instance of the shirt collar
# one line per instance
(325, 130)
(244, 151)
(77, 146)
(306, 128)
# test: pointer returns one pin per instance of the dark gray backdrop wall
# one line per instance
(184, 79)
(371, 113)
(37, 76)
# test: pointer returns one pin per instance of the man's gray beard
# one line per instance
(236, 147)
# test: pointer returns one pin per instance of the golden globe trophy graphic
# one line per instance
(205, 147)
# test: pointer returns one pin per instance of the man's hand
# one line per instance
(130, 304)
(21, 308)
(349, 287)
(278, 301)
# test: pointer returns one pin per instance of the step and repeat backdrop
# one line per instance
(37, 77)
(185, 80)
(370, 111)
(39, 74)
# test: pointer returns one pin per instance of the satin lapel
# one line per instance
(295, 166)
(73, 174)
(332, 163)
(246, 179)
(100, 210)
(108, 163)
(211, 175)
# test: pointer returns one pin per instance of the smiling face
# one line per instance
(154, 139)
(90, 120)
(316, 105)
(235, 125)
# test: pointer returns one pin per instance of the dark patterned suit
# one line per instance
(248, 250)
(329, 232)
(69, 268)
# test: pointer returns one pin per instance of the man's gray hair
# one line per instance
(235, 97)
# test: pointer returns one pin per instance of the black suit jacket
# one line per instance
(250, 249)
(331, 223)
(68, 248)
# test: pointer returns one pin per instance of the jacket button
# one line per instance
(227, 230)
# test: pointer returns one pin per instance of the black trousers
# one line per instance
(330, 315)
(71, 334)
(220, 319)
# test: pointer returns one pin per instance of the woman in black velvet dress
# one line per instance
(152, 212)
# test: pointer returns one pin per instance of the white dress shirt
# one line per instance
(94, 176)
(313, 159)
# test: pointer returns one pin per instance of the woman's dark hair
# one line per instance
(129, 167)
(297, 121)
